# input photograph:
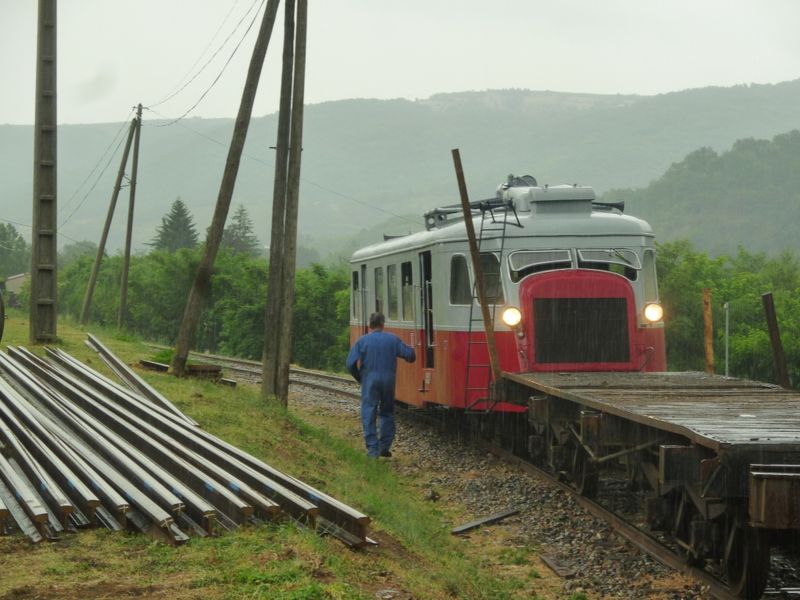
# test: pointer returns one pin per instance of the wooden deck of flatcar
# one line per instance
(710, 410)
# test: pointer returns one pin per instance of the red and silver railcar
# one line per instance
(571, 284)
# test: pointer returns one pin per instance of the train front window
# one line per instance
(616, 260)
(525, 262)
(649, 276)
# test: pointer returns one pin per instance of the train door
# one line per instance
(426, 293)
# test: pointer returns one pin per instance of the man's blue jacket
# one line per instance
(374, 357)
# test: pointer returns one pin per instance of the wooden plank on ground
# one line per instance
(483, 521)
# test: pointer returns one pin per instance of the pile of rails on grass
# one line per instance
(78, 450)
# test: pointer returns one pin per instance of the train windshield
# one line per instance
(617, 260)
(525, 262)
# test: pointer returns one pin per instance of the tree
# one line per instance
(177, 229)
(239, 235)
(72, 252)
(15, 254)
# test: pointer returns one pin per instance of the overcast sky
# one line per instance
(113, 54)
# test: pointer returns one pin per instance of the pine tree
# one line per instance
(239, 235)
(176, 230)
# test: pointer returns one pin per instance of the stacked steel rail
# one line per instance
(78, 449)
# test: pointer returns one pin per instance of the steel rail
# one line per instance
(208, 479)
(200, 442)
(65, 438)
(254, 367)
(16, 406)
(122, 455)
(52, 464)
(111, 443)
(18, 514)
(133, 380)
(252, 469)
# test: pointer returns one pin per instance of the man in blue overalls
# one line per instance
(373, 363)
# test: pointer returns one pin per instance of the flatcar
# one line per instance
(571, 283)
(583, 389)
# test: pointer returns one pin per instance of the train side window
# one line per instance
(649, 275)
(379, 289)
(460, 292)
(408, 291)
(616, 260)
(391, 280)
(525, 262)
(490, 266)
(356, 296)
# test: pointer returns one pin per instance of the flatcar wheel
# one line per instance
(747, 561)
(585, 476)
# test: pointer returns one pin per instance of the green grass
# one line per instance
(416, 553)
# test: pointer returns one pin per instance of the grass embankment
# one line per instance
(416, 555)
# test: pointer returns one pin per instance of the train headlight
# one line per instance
(511, 316)
(653, 312)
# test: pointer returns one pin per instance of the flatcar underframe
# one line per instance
(719, 457)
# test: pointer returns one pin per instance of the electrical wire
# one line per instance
(213, 56)
(219, 75)
(302, 179)
(28, 226)
(94, 185)
(99, 160)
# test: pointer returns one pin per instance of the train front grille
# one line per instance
(581, 330)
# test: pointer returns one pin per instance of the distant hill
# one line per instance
(748, 196)
(366, 161)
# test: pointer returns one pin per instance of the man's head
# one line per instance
(376, 320)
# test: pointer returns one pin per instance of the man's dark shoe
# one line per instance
(386, 454)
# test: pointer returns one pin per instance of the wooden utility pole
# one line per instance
(778, 356)
(488, 324)
(44, 242)
(272, 330)
(708, 331)
(126, 260)
(101, 248)
(200, 287)
(292, 204)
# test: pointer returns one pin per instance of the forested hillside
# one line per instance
(366, 160)
(748, 197)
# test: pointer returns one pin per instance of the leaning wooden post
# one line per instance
(778, 356)
(101, 248)
(708, 331)
(202, 282)
(488, 324)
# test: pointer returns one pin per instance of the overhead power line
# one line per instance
(99, 160)
(219, 75)
(94, 185)
(303, 179)
(183, 86)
